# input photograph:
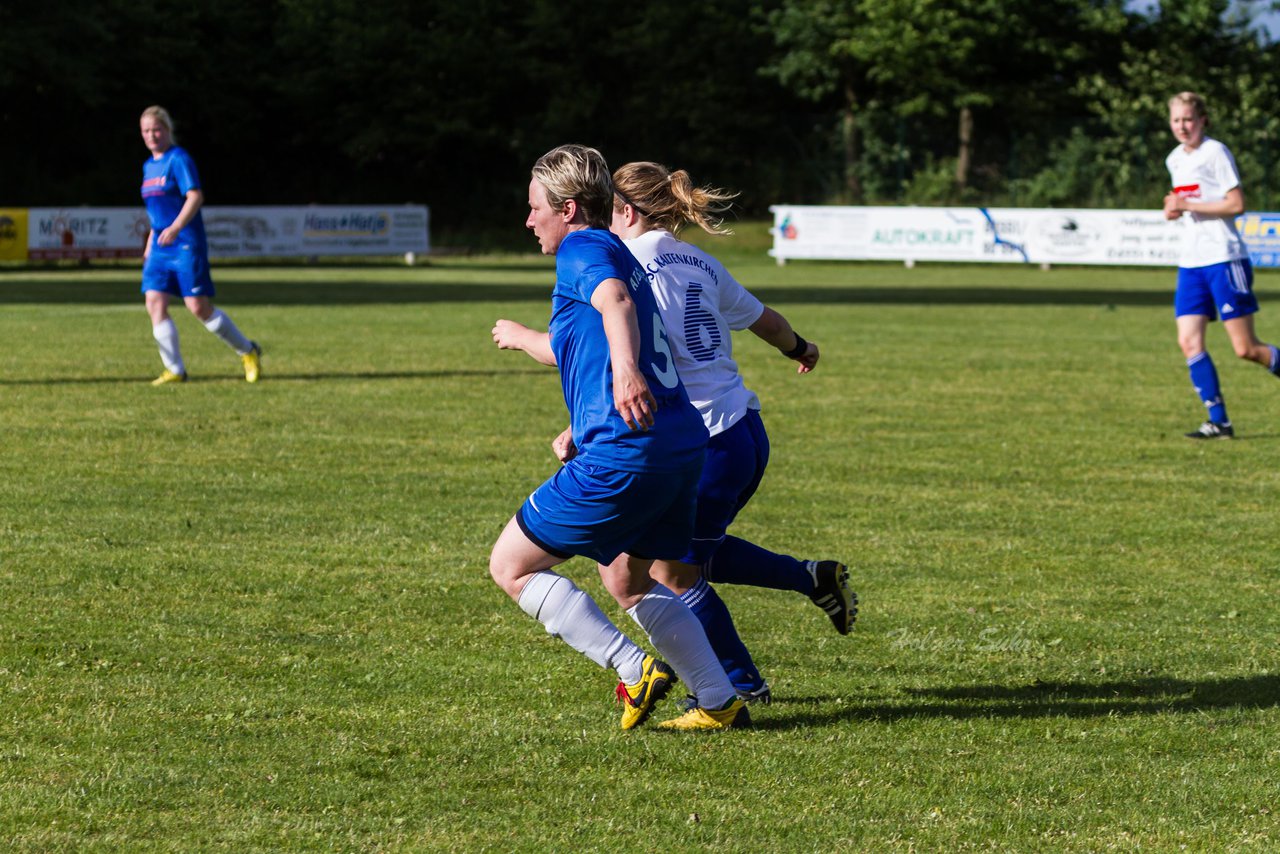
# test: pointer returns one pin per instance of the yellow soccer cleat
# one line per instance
(252, 364)
(638, 700)
(169, 377)
(732, 716)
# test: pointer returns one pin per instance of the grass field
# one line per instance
(258, 618)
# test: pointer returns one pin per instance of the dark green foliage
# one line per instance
(389, 101)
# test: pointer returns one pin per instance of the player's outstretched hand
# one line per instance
(1171, 206)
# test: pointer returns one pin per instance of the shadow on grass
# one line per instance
(1156, 695)
(244, 293)
(274, 378)
(37, 290)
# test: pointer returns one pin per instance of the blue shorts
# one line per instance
(587, 510)
(1219, 289)
(180, 270)
(735, 463)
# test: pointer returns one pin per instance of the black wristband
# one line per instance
(799, 350)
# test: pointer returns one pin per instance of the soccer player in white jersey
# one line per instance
(1215, 277)
(626, 493)
(701, 304)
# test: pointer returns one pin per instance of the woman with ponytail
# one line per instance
(701, 305)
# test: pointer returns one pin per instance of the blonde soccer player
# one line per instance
(702, 305)
(176, 257)
(625, 493)
(1215, 278)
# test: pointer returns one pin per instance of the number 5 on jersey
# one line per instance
(667, 376)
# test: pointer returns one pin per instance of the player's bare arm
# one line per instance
(775, 330)
(510, 335)
(195, 198)
(631, 395)
(1230, 205)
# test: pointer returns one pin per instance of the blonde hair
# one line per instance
(577, 172)
(669, 200)
(1192, 100)
(161, 115)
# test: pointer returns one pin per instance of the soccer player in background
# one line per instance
(701, 304)
(1215, 276)
(176, 259)
(626, 495)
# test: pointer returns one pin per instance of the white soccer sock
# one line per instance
(219, 324)
(679, 638)
(575, 618)
(166, 335)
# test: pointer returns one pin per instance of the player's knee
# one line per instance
(505, 574)
(675, 576)
(626, 579)
(1245, 351)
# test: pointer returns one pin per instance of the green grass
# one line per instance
(258, 618)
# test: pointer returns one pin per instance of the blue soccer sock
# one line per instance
(740, 562)
(1274, 365)
(1205, 379)
(711, 612)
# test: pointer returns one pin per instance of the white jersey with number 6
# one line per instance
(701, 304)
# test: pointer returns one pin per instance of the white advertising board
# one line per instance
(236, 232)
(306, 231)
(1010, 235)
(54, 233)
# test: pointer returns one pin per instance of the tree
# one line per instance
(1194, 45)
(933, 59)
(815, 63)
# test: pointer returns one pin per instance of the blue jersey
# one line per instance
(677, 438)
(165, 183)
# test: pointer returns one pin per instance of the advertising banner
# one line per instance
(233, 232)
(54, 233)
(1261, 233)
(13, 234)
(1009, 235)
(307, 231)
(890, 233)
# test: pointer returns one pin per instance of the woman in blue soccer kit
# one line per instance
(176, 258)
(625, 496)
(1215, 277)
(701, 304)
